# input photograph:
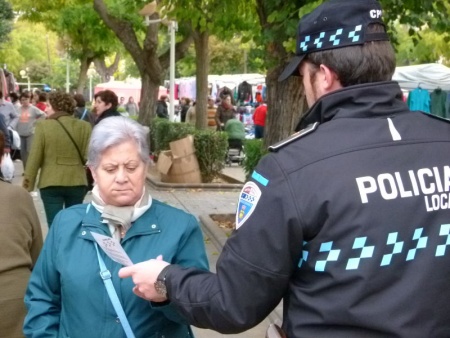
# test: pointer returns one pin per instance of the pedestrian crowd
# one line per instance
(347, 221)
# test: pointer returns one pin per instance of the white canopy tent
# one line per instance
(428, 76)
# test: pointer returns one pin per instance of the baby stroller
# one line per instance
(235, 152)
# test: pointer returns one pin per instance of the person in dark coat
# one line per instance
(81, 111)
(161, 107)
(105, 105)
(185, 104)
(346, 221)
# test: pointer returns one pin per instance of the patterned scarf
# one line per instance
(119, 219)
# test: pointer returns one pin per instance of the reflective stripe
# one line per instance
(395, 134)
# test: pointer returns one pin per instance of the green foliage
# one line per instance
(6, 17)
(28, 43)
(226, 57)
(162, 132)
(211, 148)
(254, 151)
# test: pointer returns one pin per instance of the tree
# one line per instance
(28, 42)
(203, 17)
(278, 23)
(6, 19)
(225, 57)
(124, 21)
(83, 34)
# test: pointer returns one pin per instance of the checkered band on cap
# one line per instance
(330, 39)
(335, 24)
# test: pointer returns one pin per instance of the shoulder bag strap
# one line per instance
(84, 114)
(106, 276)
(73, 141)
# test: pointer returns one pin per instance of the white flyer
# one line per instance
(112, 248)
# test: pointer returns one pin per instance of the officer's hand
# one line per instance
(144, 276)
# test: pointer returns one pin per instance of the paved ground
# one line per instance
(198, 202)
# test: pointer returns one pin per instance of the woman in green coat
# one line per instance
(59, 142)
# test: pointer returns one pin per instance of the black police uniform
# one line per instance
(348, 222)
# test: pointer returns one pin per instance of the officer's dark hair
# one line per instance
(372, 62)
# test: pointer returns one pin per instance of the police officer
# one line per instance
(348, 221)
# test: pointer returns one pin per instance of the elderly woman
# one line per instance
(20, 243)
(59, 150)
(66, 295)
(225, 111)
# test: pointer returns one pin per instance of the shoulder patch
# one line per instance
(309, 129)
(248, 200)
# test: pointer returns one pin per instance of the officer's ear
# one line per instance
(327, 79)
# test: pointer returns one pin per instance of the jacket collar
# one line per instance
(57, 115)
(360, 101)
(147, 224)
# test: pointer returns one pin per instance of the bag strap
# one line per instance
(73, 141)
(106, 276)
(84, 114)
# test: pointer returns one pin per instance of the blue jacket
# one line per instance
(66, 296)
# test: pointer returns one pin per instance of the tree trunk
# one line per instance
(281, 97)
(149, 96)
(84, 66)
(151, 65)
(104, 71)
(201, 40)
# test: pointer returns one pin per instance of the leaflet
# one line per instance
(112, 248)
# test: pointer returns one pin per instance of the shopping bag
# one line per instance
(7, 167)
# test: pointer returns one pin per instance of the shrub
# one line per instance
(163, 132)
(211, 148)
(254, 151)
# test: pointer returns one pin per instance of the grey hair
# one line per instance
(113, 131)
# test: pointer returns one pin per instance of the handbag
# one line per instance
(89, 177)
(7, 167)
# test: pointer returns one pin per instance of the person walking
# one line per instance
(81, 111)
(105, 105)
(225, 111)
(58, 144)
(259, 120)
(28, 116)
(132, 107)
(161, 107)
(9, 112)
(21, 242)
(349, 215)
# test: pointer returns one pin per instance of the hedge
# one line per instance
(210, 146)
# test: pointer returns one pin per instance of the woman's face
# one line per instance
(49, 109)
(100, 106)
(25, 101)
(227, 100)
(120, 175)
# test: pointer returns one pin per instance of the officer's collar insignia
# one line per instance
(309, 129)
(248, 200)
